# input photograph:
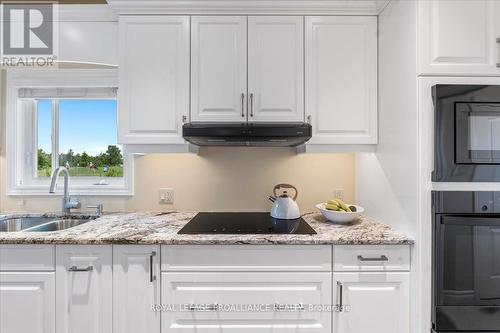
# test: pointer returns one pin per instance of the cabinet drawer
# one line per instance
(246, 258)
(225, 303)
(27, 258)
(371, 258)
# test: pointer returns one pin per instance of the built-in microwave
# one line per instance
(467, 133)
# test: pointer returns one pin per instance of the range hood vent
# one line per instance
(247, 134)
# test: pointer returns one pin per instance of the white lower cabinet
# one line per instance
(136, 288)
(371, 302)
(112, 289)
(84, 289)
(222, 302)
(27, 302)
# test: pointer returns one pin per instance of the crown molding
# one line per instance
(249, 7)
(86, 13)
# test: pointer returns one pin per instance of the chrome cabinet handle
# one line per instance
(498, 42)
(80, 269)
(242, 105)
(152, 277)
(381, 258)
(340, 289)
(288, 307)
(204, 307)
(251, 105)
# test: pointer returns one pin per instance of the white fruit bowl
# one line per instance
(340, 217)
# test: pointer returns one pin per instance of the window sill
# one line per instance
(40, 191)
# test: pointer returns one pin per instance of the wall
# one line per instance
(218, 179)
(2, 138)
(387, 179)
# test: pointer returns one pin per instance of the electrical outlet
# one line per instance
(166, 196)
(339, 193)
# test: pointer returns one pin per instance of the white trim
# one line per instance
(249, 7)
(49, 78)
(55, 134)
(67, 93)
(459, 186)
(83, 13)
(42, 190)
(76, 78)
(332, 148)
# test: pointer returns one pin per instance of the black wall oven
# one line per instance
(466, 262)
(467, 133)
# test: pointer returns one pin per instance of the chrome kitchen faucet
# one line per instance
(67, 203)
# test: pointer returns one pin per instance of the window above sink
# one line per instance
(65, 118)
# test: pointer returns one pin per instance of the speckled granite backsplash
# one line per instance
(155, 228)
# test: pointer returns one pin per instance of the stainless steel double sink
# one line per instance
(40, 224)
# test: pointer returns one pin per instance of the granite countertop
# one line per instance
(162, 228)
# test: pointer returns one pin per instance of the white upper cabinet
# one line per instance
(218, 68)
(153, 79)
(275, 68)
(459, 37)
(83, 289)
(136, 287)
(341, 79)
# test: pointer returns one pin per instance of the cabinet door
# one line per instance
(153, 78)
(341, 79)
(83, 291)
(459, 37)
(136, 288)
(371, 302)
(246, 302)
(218, 68)
(27, 302)
(275, 68)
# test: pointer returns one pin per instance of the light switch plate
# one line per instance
(339, 193)
(166, 196)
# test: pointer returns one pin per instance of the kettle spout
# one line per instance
(271, 198)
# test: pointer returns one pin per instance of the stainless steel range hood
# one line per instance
(247, 134)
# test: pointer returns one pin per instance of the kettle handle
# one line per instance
(280, 186)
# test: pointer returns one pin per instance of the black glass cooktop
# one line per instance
(244, 223)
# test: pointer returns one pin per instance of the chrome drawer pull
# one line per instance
(152, 277)
(340, 306)
(498, 42)
(251, 105)
(340, 288)
(242, 105)
(77, 269)
(381, 258)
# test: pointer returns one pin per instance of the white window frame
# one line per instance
(20, 138)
